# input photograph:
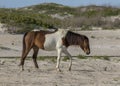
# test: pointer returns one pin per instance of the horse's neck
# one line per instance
(73, 40)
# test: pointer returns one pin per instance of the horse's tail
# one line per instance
(31, 41)
(24, 45)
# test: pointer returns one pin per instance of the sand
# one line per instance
(85, 72)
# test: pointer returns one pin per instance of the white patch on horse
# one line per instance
(53, 41)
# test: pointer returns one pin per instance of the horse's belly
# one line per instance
(49, 45)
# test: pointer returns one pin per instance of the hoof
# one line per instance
(19, 64)
(58, 70)
(69, 69)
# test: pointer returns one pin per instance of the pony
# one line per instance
(58, 40)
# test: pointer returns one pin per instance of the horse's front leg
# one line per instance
(70, 57)
(59, 50)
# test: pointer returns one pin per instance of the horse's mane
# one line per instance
(74, 38)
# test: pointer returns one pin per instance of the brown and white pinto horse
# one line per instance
(58, 40)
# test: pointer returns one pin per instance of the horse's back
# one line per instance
(47, 40)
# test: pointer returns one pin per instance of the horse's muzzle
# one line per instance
(88, 52)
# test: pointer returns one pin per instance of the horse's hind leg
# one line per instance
(24, 55)
(35, 50)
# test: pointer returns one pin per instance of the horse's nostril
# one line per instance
(88, 53)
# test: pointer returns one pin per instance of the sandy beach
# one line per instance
(102, 43)
(85, 72)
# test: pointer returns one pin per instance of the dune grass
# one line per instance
(65, 58)
(94, 57)
(101, 57)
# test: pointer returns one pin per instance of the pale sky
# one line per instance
(23, 3)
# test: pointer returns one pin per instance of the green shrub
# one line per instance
(101, 57)
(40, 16)
(81, 57)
